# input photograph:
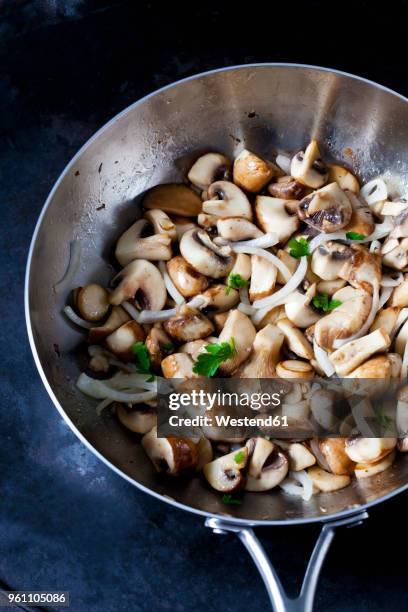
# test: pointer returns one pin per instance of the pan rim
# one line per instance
(163, 498)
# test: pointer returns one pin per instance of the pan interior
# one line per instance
(266, 108)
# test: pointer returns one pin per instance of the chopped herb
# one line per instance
(143, 364)
(208, 363)
(235, 281)
(298, 248)
(239, 457)
(383, 419)
(355, 236)
(321, 301)
(228, 499)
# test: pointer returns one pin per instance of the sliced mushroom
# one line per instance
(322, 406)
(194, 348)
(209, 168)
(263, 278)
(307, 167)
(302, 314)
(335, 456)
(161, 222)
(120, 341)
(117, 317)
(395, 364)
(219, 319)
(327, 210)
(242, 266)
(239, 327)
(140, 280)
(364, 471)
(159, 346)
(328, 259)
(401, 339)
(205, 453)
(292, 368)
(264, 356)
(362, 220)
(274, 215)
(227, 200)
(135, 243)
(207, 221)
(295, 339)
(188, 324)
(369, 450)
(174, 199)
(346, 319)
(178, 365)
(354, 353)
(272, 317)
(386, 319)
(225, 474)
(251, 172)
(139, 420)
(92, 302)
(206, 257)
(401, 225)
(220, 298)
(187, 280)
(286, 188)
(327, 482)
(363, 269)
(330, 287)
(99, 363)
(171, 455)
(399, 296)
(372, 377)
(237, 228)
(397, 257)
(299, 457)
(183, 225)
(343, 177)
(290, 262)
(268, 465)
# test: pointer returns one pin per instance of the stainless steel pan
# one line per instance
(267, 107)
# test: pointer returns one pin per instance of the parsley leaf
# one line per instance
(208, 363)
(298, 248)
(228, 499)
(355, 236)
(143, 364)
(239, 457)
(383, 419)
(321, 301)
(235, 281)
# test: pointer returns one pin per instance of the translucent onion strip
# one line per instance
(72, 270)
(99, 389)
(292, 297)
(72, 316)
(322, 238)
(384, 296)
(322, 359)
(170, 286)
(284, 270)
(404, 366)
(289, 287)
(402, 317)
(248, 309)
(263, 242)
(284, 162)
(153, 316)
(374, 191)
(298, 484)
(102, 405)
(364, 329)
(131, 310)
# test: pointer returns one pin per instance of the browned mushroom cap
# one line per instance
(327, 210)
(138, 243)
(142, 281)
(327, 482)
(237, 228)
(174, 199)
(92, 302)
(331, 455)
(268, 465)
(371, 469)
(171, 455)
(139, 420)
(117, 317)
(225, 474)
(343, 177)
(207, 221)
(227, 200)
(241, 328)
(219, 319)
(178, 365)
(292, 368)
(206, 257)
(362, 220)
(120, 341)
(220, 298)
(287, 188)
(251, 172)
(209, 168)
(363, 269)
(264, 356)
(159, 346)
(307, 167)
(274, 215)
(369, 450)
(186, 278)
(188, 324)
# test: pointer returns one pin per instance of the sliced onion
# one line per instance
(364, 329)
(131, 310)
(374, 191)
(289, 287)
(243, 295)
(384, 296)
(72, 316)
(404, 366)
(263, 242)
(102, 405)
(375, 246)
(99, 389)
(284, 162)
(322, 359)
(170, 286)
(131, 381)
(388, 280)
(380, 231)
(298, 484)
(295, 296)
(402, 317)
(284, 270)
(247, 309)
(322, 237)
(72, 269)
(154, 316)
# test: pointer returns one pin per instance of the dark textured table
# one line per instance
(66, 521)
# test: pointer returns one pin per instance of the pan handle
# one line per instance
(279, 600)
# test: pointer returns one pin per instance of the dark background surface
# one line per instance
(66, 521)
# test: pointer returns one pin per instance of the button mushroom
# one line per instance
(239, 327)
(299, 456)
(264, 356)
(183, 225)
(274, 215)
(226, 474)
(178, 365)
(362, 220)
(92, 302)
(295, 339)
(188, 324)
(136, 243)
(171, 455)
(251, 172)
(369, 450)
(99, 363)
(386, 319)
(209, 168)
(293, 368)
(194, 348)
(139, 420)
(206, 257)
(302, 314)
(330, 287)
(207, 221)
(286, 188)
(363, 269)
(117, 317)
(401, 224)
(307, 167)
(343, 177)
(372, 377)
(399, 296)
(174, 199)
(227, 200)
(120, 341)
(327, 482)
(268, 465)
(354, 353)
(237, 228)
(365, 471)
(328, 259)
(140, 280)
(242, 266)
(159, 346)
(397, 257)
(161, 222)
(263, 278)
(219, 298)
(219, 320)
(186, 278)
(332, 454)
(327, 210)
